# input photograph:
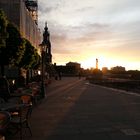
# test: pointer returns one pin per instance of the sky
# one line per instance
(83, 30)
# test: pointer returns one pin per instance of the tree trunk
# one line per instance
(2, 70)
(27, 77)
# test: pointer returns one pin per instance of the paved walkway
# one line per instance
(76, 110)
(47, 117)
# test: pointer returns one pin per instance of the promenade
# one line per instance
(76, 110)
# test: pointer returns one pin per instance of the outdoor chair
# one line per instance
(21, 121)
(36, 94)
(23, 99)
(26, 99)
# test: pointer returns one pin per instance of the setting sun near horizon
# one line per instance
(104, 62)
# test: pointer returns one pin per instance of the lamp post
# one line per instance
(43, 51)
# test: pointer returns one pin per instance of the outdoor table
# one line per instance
(24, 92)
(33, 92)
(10, 106)
(19, 95)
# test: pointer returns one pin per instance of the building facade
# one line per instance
(23, 13)
(74, 64)
(18, 13)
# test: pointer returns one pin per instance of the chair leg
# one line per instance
(21, 131)
(27, 125)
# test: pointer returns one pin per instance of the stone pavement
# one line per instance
(76, 110)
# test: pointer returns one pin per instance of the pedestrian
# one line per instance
(79, 75)
(56, 77)
(59, 75)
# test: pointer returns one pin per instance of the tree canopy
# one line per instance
(30, 58)
(37, 59)
(15, 44)
(14, 50)
(3, 32)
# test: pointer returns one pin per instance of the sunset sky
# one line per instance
(83, 30)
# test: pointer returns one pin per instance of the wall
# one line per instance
(17, 13)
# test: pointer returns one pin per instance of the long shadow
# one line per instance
(89, 112)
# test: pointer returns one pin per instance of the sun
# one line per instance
(89, 63)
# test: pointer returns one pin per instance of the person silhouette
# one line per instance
(79, 75)
(59, 75)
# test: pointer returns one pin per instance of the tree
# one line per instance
(14, 50)
(29, 57)
(15, 45)
(3, 25)
(37, 59)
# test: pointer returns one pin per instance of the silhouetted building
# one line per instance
(104, 70)
(46, 41)
(75, 64)
(118, 69)
(71, 69)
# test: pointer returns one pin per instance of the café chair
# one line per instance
(26, 99)
(21, 120)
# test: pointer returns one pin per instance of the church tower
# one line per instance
(46, 41)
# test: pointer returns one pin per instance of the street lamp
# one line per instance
(45, 49)
(43, 52)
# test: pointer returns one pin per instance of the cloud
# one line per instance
(92, 27)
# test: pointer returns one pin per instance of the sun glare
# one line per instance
(108, 62)
(102, 62)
